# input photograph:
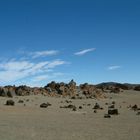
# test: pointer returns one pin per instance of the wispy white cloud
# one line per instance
(13, 65)
(36, 54)
(43, 53)
(82, 52)
(55, 63)
(114, 67)
(14, 70)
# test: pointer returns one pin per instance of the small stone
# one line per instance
(20, 101)
(113, 102)
(95, 111)
(112, 106)
(80, 107)
(113, 112)
(138, 113)
(74, 109)
(106, 103)
(45, 105)
(97, 106)
(107, 116)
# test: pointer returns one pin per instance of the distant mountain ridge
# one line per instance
(124, 86)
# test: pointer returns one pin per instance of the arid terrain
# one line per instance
(26, 120)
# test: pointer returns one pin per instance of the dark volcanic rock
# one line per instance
(90, 91)
(112, 106)
(20, 101)
(84, 91)
(135, 108)
(74, 108)
(107, 116)
(10, 103)
(62, 88)
(95, 111)
(80, 107)
(73, 97)
(68, 101)
(113, 102)
(69, 106)
(138, 113)
(97, 106)
(113, 112)
(45, 105)
(137, 88)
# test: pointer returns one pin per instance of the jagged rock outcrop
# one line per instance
(23, 90)
(55, 89)
(90, 91)
(69, 89)
(7, 91)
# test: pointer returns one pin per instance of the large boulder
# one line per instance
(10, 103)
(135, 107)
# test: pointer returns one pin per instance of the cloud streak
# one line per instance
(14, 70)
(114, 67)
(44, 53)
(83, 52)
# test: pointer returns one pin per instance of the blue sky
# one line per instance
(86, 40)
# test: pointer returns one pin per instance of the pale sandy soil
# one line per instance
(31, 122)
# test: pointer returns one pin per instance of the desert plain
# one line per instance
(27, 121)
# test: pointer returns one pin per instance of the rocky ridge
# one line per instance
(55, 89)
(68, 89)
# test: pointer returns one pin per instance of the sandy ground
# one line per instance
(31, 122)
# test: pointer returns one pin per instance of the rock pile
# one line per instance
(61, 88)
(90, 91)
(55, 89)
